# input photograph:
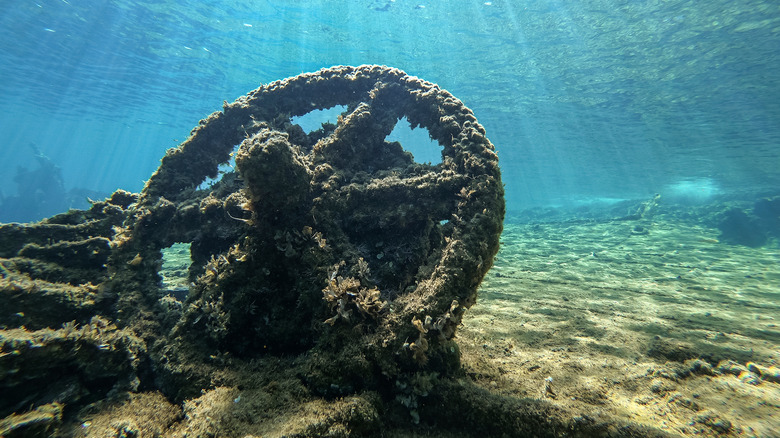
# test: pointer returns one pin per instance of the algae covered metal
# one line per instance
(333, 247)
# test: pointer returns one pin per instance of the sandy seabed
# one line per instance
(657, 328)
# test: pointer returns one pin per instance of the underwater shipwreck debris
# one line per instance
(335, 246)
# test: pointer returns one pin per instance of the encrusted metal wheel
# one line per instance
(333, 243)
(320, 236)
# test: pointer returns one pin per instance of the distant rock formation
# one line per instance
(41, 192)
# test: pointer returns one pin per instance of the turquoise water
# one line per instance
(585, 101)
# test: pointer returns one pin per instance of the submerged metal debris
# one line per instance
(333, 245)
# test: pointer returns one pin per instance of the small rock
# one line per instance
(731, 367)
(714, 422)
(659, 386)
(750, 378)
(698, 366)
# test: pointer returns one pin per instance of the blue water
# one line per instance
(591, 100)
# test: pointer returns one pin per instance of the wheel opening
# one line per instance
(176, 262)
(313, 120)
(417, 141)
